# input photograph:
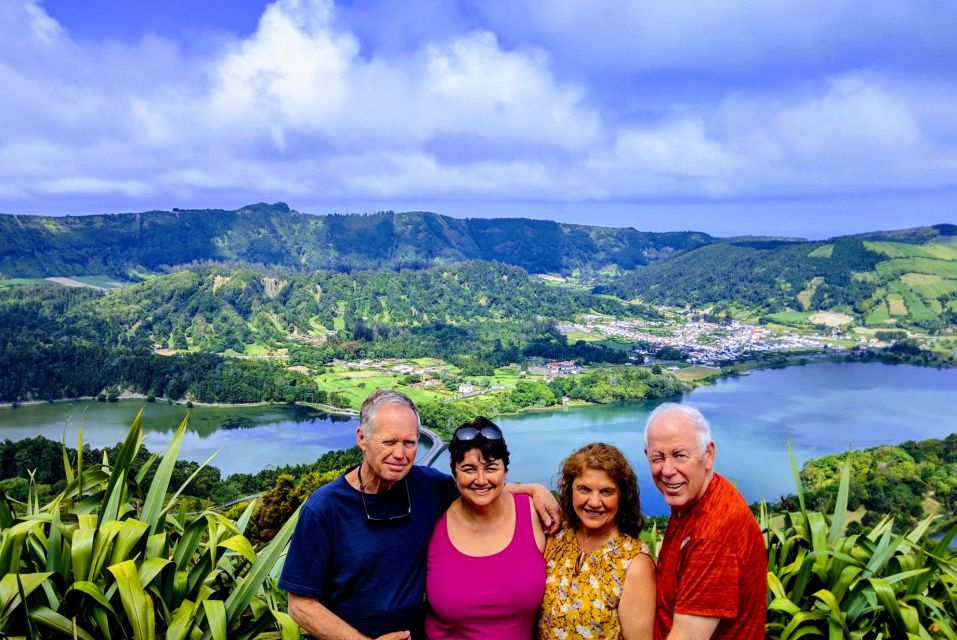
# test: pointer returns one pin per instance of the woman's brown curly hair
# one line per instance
(603, 457)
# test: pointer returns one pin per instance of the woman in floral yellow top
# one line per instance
(601, 580)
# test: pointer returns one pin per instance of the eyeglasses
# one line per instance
(365, 507)
(467, 433)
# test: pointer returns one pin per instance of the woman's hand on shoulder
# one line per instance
(545, 504)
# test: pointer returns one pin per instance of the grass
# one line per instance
(890, 269)
(919, 311)
(257, 350)
(104, 282)
(25, 282)
(615, 345)
(575, 336)
(880, 314)
(824, 251)
(905, 250)
(805, 296)
(695, 373)
(790, 317)
(831, 318)
(355, 385)
(929, 286)
(866, 276)
(895, 304)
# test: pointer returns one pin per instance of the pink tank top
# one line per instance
(493, 596)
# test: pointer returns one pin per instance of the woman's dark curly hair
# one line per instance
(602, 457)
(488, 449)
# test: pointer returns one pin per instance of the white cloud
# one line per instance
(302, 109)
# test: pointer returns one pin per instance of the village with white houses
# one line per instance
(701, 342)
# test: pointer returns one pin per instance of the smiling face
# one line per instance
(680, 469)
(479, 481)
(390, 447)
(595, 497)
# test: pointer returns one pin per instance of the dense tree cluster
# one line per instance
(31, 371)
(888, 479)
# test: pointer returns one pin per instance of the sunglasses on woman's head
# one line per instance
(489, 432)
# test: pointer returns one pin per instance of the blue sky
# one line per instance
(787, 117)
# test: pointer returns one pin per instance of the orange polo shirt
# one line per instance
(713, 563)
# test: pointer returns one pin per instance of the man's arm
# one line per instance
(687, 627)
(323, 624)
(545, 503)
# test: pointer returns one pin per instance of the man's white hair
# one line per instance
(697, 419)
(380, 398)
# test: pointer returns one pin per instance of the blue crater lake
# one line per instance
(823, 408)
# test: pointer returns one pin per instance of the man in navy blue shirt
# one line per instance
(356, 563)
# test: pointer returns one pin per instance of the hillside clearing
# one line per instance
(831, 318)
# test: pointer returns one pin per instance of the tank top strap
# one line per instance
(441, 540)
(524, 536)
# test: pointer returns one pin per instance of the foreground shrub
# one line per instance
(101, 560)
(825, 581)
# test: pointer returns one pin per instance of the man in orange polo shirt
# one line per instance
(712, 568)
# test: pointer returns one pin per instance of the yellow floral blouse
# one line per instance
(582, 590)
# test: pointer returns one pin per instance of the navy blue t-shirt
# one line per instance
(369, 573)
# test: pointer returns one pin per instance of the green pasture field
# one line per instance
(25, 282)
(904, 250)
(946, 241)
(952, 305)
(426, 362)
(929, 286)
(805, 296)
(615, 345)
(790, 317)
(890, 269)
(508, 376)
(695, 373)
(895, 304)
(257, 349)
(104, 282)
(866, 276)
(575, 336)
(879, 314)
(941, 251)
(356, 385)
(915, 305)
(824, 251)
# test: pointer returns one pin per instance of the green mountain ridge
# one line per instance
(898, 278)
(120, 244)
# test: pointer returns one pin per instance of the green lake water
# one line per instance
(823, 408)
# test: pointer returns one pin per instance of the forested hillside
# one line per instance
(906, 278)
(59, 342)
(127, 244)
(901, 480)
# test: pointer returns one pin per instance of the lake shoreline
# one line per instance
(823, 409)
(129, 395)
(743, 367)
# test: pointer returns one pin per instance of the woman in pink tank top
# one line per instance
(486, 572)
